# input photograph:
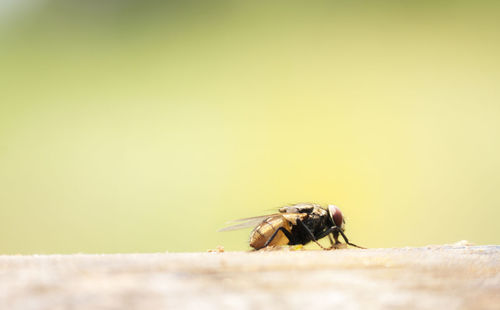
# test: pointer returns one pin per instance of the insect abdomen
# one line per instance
(265, 230)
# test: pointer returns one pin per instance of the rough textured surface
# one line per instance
(438, 277)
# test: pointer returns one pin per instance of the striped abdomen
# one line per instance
(265, 230)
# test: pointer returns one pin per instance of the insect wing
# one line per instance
(246, 222)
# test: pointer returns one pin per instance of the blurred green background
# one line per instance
(140, 126)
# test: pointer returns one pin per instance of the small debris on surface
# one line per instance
(298, 247)
(463, 243)
(218, 249)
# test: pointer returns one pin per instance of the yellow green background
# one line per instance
(139, 126)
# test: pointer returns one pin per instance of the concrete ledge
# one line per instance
(438, 277)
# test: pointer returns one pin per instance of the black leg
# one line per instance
(311, 235)
(336, 237)
(347, 241)
(327, 232)
(286, 232)
(335, 230)
(335, 240)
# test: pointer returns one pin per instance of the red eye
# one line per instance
(336, 215)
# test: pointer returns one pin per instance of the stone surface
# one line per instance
(434, 277)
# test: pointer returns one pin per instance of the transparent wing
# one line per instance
(253, 218)
(245, 223)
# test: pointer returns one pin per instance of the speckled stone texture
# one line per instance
(434, 277)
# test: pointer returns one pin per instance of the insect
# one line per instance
(296, 224)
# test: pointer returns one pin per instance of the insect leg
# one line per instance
(335, 230)
(347, 241)
(336, 237)
(327, 232)
(311, 235)
(286, 232)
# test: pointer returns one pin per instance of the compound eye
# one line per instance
(336, 215)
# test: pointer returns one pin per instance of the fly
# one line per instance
(296, 224)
